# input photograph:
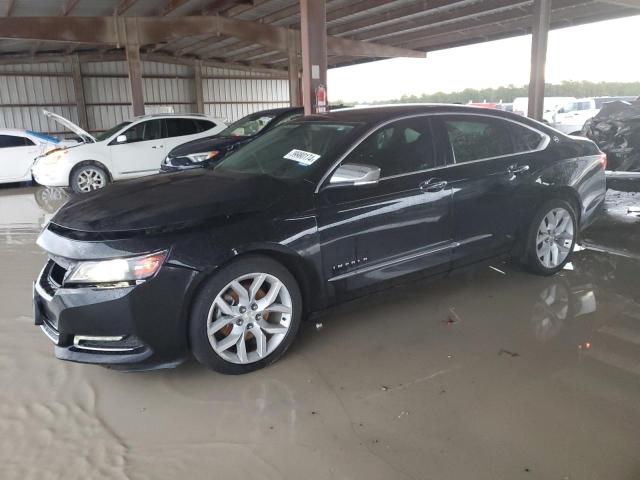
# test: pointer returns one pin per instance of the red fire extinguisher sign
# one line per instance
(321, 99)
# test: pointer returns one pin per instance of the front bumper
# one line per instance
(51, 176)
(136, 327)
(166, 168)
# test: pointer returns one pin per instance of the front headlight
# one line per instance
(116, 270)
(52, 157)
(201, 157)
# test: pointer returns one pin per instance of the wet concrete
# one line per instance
(491, 374)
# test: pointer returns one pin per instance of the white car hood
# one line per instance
(86, 136)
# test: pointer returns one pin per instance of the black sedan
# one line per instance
(204, 152)
(226, 262)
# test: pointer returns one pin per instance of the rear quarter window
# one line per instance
(204, 125)
(178, 127)
(526, 139)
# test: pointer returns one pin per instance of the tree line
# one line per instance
(508, 93)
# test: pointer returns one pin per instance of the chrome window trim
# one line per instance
(543, 145)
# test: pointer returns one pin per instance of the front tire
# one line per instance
(246, 316)
(89, 177)
(551, 237)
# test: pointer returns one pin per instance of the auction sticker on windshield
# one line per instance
(300, 156)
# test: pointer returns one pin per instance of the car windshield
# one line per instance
(107, 133)
(248, 126)
(289, 151)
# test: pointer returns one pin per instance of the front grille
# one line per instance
(56, 276)
(52, 277)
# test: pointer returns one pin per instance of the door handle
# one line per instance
(157, 146)
(433, 185)
(515, 169)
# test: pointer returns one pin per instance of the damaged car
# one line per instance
(225, 263)
(131, 149)
(616, 130)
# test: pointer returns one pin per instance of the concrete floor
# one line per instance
(491, 374)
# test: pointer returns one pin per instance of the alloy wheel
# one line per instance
(90, 179)
(249, 318)
(554, 238)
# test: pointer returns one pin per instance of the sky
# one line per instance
(603, 51)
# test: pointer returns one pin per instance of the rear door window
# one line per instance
(204, 125)
(478, 138)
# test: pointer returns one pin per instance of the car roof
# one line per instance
(13, 131)
(379, 114)
(175, 115)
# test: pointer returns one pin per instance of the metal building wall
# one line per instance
(228, 94)
(232, 94)
(25, 90)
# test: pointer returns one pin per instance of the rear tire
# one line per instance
(88, 177)
(551, 238)
(245, 316)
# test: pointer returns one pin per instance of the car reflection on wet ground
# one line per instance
(490, 374)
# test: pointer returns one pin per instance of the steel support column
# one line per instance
(198, 85)
(313, 31)
(295, 99)
(78, 89)
(135, 78)
(134, 64)
(540, 32)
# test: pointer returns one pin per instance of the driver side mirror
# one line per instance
(121, 139)
(355, 174)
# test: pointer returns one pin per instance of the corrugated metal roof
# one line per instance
(416, 24)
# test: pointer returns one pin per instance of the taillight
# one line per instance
(603, 160)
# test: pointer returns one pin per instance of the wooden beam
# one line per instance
(243, 44)
(78, 89)
(154, 30)
(540, 30)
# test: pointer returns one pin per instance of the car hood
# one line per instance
(169, 202)
(206, 145)
(86, 136)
